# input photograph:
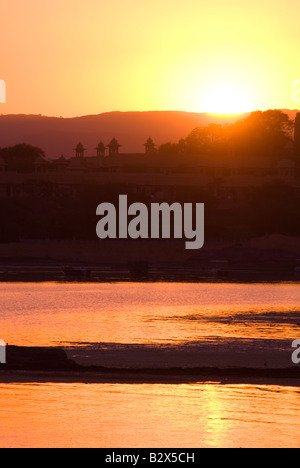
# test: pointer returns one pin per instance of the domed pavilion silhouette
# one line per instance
(113, 147)
(100, 149)
(79, 150)
(150, 147)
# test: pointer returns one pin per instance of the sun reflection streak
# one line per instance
(216, 428)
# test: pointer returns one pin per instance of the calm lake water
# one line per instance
(160, 325)
(134, 416)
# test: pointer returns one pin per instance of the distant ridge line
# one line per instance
(58, 136)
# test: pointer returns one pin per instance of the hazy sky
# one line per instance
(77, 57)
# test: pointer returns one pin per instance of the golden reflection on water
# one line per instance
(178, 416)
(216, 430)
(136, 416)
(48, 314)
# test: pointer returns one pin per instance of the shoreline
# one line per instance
(162, 277)
(58, 365)
(86, 375)
(271, 259)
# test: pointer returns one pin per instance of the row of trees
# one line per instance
(261, 134)
(21, 158)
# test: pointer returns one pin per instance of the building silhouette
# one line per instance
(151, 173)
(150, 147)
(100, 150)
(79, 151)
(113, 147)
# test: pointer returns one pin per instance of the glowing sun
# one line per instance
(226, 99)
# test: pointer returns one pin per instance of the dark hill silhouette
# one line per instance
(57, 136)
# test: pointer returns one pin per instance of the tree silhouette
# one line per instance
(264, 134)
(261, 135)
(207, 140)
(21, 157)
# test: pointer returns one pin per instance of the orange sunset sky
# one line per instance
(77, 57)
